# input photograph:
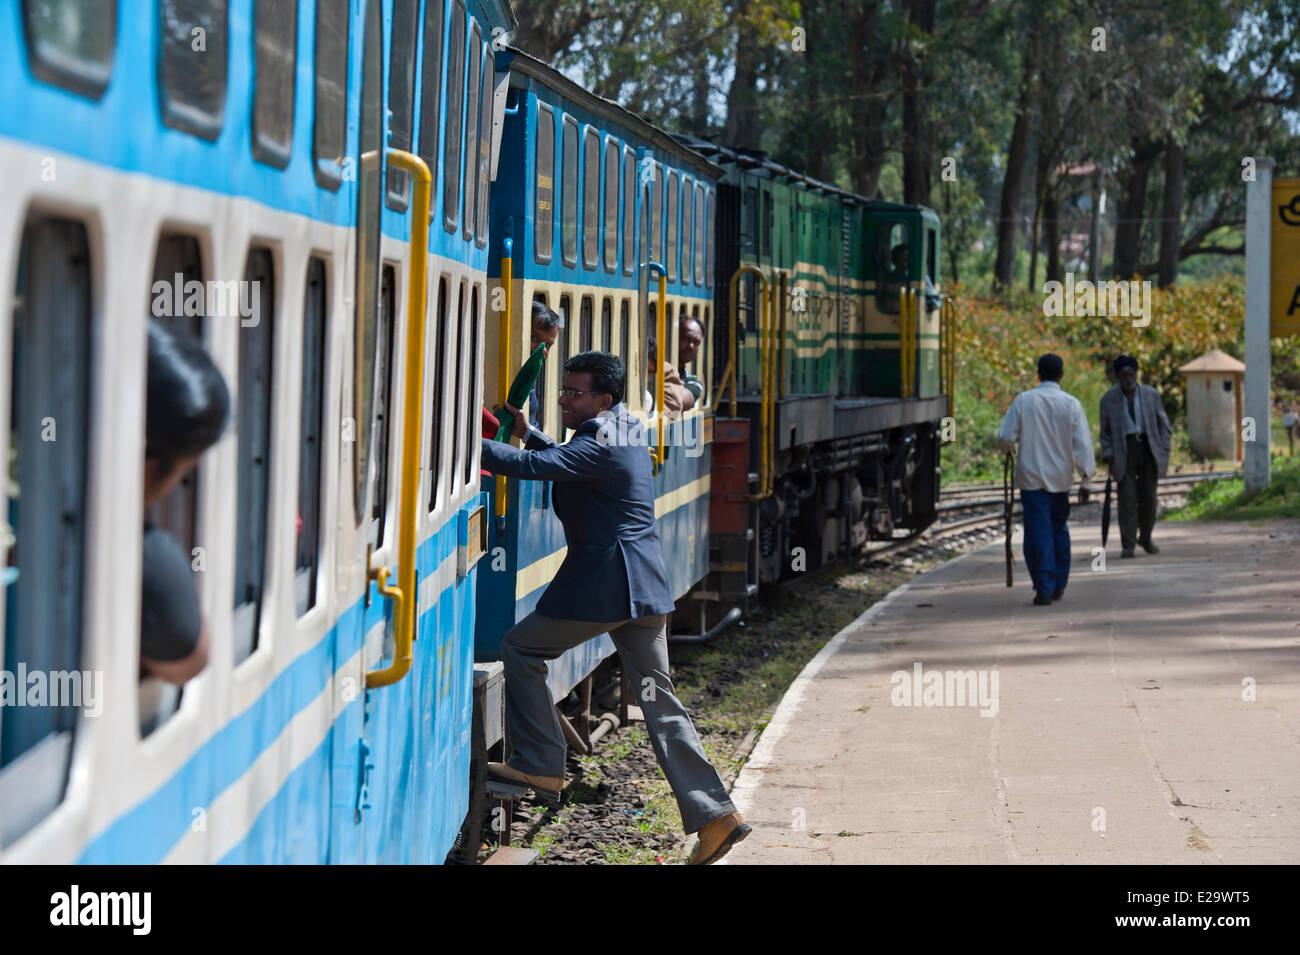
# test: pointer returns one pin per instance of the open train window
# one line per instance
(311, 425)
(383, 417)
(611, 204)
(484, 152)
(629, 210)
(544, 190)
(584, 325)
(45, 519)
(569, 195)
(70, 43)
(473, 426)
(454, 123)
(606, 325)
(540, 389)
(708, 231)
(330, 127)
(472, 87)
(431, 93)
(892, 266)
(192, 65)
(401, 95)
(672, 251)
(440, 362)
(566, 342)
(252, 419)
(370, 194)
(590, 198)
(459, 383)
(688, 229)
(275, 60)
(701, 237)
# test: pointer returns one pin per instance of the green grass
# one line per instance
(1227, 501)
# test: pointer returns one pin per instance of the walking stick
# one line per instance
(1105, 512)
(1008, 502)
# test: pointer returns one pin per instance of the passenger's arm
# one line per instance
(582, 459)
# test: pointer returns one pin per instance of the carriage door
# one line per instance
(362, 613)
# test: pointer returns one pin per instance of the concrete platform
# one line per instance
(1152, 716)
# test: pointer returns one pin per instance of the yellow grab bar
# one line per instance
(661, 349)
(405, 594)
(503, 357)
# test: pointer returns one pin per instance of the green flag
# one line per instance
(520, 389)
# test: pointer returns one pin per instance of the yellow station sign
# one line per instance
(1285, 256)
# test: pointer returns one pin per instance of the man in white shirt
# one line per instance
(1054, 440)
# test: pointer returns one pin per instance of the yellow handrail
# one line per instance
(503, 357)
(906, 345)
(661, 372)
(782, 304)
(404, 595)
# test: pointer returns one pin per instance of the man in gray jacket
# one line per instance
(612, 580)
(1135, 440)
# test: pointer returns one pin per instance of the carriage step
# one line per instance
(512, 855)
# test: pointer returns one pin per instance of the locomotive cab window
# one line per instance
(192, 76)
(45, 518)
(330, 127)
(892, 267)
(590, 198)
(70, 42)
(275, 46)
(431, 94)
(252, 420)
(454, 124)
(569, 195)
(544, 188)
(401, 95)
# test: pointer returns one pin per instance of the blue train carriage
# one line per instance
(587, 194)
(222, 165)
(837, 393)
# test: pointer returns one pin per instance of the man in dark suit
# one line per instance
(1135, 441)
(612, 581)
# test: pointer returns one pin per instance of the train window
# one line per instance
(70, 43)
(932, 256)
(629, 210)
(473, 425)
(657, 214)
(606, 326)
(584, 325)
(401, 95)
(701, 237)
(672, 252)
(369, 206)
(384, 372)
(611, 204)
(458, 383)
(329, 132)
(44, 530)
(748, 220)
(472, 82)
(275, 49)
(624, 337)
(566, 343)
(543, 216)
(253, 460)
(708, 231)
(192, 66)
(543, 393)
(688, 229)
(454, 123)
(590, 198)
(891, 265)
(484, 151)
(431, 93)
(569, 195)
(311, 424)
(440, 361)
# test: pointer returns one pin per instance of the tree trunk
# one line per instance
(917, 142)
(1171, 223)
(1131, 211)
(742, 100)
(1052, 228)
(1009, 209)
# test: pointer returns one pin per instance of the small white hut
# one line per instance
(1214, 404)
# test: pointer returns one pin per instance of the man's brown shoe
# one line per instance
(548, 787)
(717, 838)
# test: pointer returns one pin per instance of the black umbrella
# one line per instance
(1008, 501)
(1105, 513)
